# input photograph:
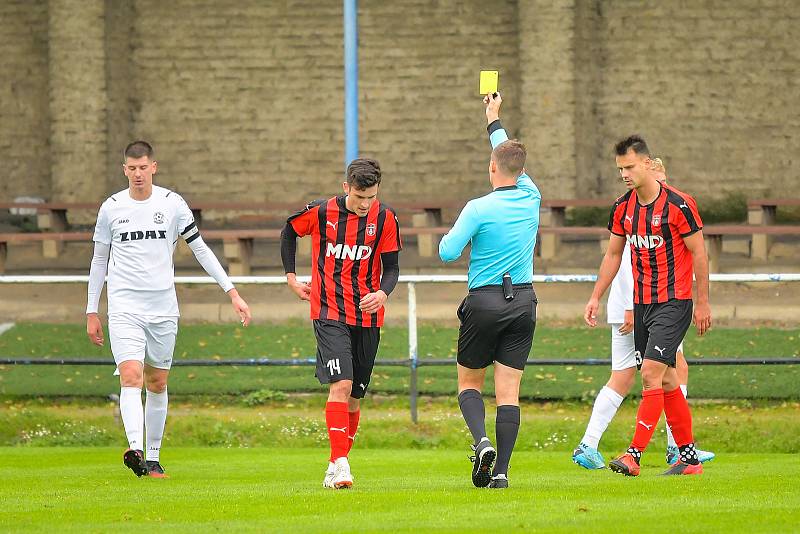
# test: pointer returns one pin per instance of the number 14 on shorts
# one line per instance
(334, 367)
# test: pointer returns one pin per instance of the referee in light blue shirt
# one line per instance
(498, 316)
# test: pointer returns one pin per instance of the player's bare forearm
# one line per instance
(702, 309)
(608, 270)
(233, 294)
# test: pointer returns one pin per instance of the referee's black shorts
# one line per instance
(494, 329)
(346, 352)
(659, 328)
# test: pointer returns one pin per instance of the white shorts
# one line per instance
(146, 339)
(623, 352)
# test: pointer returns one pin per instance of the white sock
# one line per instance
(670, 439)
(155, 416)
(130, 407)
(605, 407)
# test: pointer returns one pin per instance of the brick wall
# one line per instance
(421, 114)
(244, 100)
(78, 99)
(712, 85)
(24, 129)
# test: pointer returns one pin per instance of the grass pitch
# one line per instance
(221, 342)
(270, 489)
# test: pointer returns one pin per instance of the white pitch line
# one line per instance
(5, 327)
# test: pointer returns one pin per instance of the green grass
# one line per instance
(297, 341)
(298, 421)
(260, 490)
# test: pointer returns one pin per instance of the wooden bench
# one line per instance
(52, 217)
(713, 235)
(761, 212)
(553, 214)
(237, 244)
(43, 237)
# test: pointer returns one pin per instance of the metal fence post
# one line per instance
(412, 349)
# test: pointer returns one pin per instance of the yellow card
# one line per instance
(488, 82)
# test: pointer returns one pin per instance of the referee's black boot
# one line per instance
(499, 482)
(482, 463)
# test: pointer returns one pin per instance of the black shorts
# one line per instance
(346, 352)
(494, 329)
(658, 329)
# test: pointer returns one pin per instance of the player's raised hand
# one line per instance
(372, 302)
(301, 289)
(492, 102)
(702, 317)
(94, 329)
(241, 307)
(590, 313)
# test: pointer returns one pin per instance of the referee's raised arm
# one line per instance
(498, 135)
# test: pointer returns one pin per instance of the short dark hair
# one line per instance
(363, 173)
(138, 149)
(510, 157)
(634, 142)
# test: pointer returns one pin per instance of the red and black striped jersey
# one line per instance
(345, 254)
(662, 264)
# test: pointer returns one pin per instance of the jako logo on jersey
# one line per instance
(346, 252)
(158, 217)
(370, 229)
(645, 241)
(138, 235)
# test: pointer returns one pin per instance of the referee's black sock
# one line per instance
(506, 430)
(471, 404)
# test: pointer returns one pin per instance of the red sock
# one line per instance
(679, 417)
(353, 427)
(337, 419)
(647, 417)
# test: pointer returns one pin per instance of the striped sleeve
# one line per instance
(687, 219)
(390, 237)
(617, 216)
(305, 221)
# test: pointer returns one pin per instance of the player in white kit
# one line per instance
(134, 240)
(624, 362)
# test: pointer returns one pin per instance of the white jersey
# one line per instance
(620, 296)
(142, 235)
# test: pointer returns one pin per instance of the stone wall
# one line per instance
(24, 119)
(244, 100)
